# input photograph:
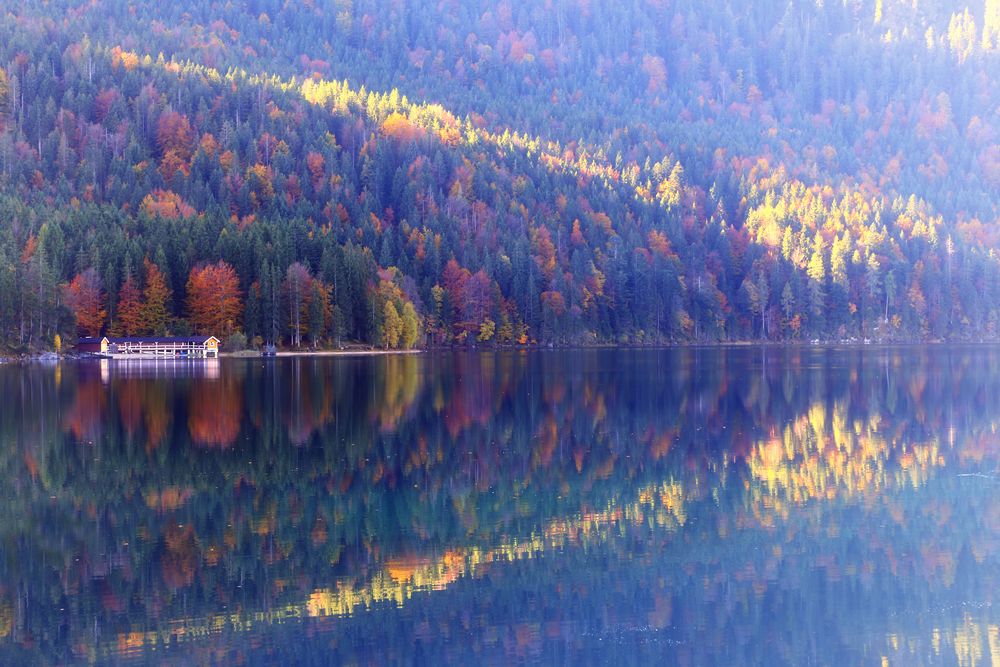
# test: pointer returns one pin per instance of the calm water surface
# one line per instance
(734, 506)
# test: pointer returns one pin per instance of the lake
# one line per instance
(694, 506)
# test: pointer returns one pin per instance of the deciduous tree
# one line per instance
(155, 307)
(130, 320)
(85, 298)
(392, 327)
(213, 299)
(411, 325)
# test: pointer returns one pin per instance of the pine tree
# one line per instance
(318, 304)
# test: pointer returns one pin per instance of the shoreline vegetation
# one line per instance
(366, 351)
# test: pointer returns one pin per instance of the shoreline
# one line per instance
(374, 352)
(328, 353)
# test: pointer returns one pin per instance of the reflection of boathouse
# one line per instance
(123, 348)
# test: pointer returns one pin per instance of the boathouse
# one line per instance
(205, 347)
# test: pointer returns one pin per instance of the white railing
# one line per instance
(161, 349)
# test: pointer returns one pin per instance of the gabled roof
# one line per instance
(191, 340)
(197, 340)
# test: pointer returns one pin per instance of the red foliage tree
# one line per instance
(84, 298)
(455, 279)
(213, 299)
(103, 102)
(317, 168)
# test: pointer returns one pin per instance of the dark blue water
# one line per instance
(697, 506)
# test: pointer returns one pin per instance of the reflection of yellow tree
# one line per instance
(823, 455)
(660, 504)
(157, 414)
(969, 643)
(400, 385)
(6, 618)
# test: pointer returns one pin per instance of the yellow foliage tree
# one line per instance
(392, 326)
(486, 330)
(411, 326)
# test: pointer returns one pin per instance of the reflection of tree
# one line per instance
(400, 379)
(130, 404)
(167, 499)
(143, 402)
(402, 577)
(85, 417)
(180, 556)
(6, 618)
(308, 402)
(768, 456)
(157, 414)
(474, 388)
(813, 459)
(215, 412)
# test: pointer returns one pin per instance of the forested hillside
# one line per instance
(569, 171)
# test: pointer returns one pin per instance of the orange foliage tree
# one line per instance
(317, 168)
(213, 299)
(166, 204)
(84, 298)
(130, 309)
(400, 127)
(174, 133)
(215, 413)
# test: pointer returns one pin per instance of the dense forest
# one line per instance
(434, 173)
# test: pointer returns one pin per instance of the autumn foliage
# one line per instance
(85, 298)
(166, 204)
(643, 185)
(174, 134)
(130, 321)
(215, 411)
(213, 299)
(400, 128)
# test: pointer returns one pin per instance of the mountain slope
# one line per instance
(754, 209)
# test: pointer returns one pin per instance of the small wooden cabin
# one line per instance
(162, 347)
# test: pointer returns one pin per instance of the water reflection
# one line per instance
(708, 506)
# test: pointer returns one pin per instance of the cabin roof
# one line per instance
(89, 340)
(196, 340)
